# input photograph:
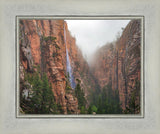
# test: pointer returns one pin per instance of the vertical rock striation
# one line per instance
(42, 44)
(119, 63)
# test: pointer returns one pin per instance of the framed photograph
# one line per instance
(59, 75)
(79, 67)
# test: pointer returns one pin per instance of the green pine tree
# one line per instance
(79, 93)
(41, 99)
(134, 107)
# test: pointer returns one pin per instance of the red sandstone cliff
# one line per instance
(119, 63)
(42, 44)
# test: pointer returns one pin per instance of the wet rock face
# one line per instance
(42, 44)
(119, 63)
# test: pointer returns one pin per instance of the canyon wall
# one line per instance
(118, 63)
(42, 44)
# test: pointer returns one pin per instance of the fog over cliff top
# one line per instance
(92, 34)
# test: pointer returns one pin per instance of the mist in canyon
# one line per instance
(80, 66)
(92, 34)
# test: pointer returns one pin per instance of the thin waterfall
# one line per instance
(69, 68)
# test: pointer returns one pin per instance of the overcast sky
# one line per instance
(91, 34)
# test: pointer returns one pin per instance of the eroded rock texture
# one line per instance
(119, 63)
(42, 44)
